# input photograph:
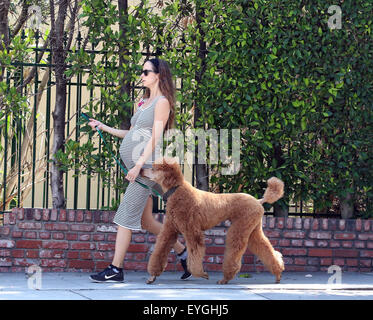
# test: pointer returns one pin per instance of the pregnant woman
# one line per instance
(139, 149)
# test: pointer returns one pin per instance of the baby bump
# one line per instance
(133, 146)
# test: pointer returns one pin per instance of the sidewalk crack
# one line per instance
(79, 294)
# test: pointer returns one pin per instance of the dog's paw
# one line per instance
(151, 279)
(278, 279)
(205, 276)
(223, 281)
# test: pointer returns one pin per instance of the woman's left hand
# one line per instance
(133, 173)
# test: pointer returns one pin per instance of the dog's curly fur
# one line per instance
(191, 211)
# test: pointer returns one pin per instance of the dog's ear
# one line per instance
(169, 178)
(172, 175)
(170, 171)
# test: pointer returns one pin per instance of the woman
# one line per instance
(155, 113)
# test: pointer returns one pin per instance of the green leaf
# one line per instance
(303, 123)
(268, 144)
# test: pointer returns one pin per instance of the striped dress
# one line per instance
(134, 200)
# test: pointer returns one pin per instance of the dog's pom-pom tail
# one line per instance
(274, 191)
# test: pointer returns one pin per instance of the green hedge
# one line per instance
(300, 93)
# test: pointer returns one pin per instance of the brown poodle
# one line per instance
(191, 211)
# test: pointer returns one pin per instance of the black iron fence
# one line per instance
(25, 138)
(26, 143)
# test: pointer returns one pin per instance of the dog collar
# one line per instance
(168, 193)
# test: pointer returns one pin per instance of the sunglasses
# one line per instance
(146, 72)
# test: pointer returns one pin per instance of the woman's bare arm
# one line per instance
(115, 132)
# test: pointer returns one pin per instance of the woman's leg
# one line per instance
(124, 235)
(150, 224)
(122, 243)
(114, 272)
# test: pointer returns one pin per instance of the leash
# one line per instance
(86, 117)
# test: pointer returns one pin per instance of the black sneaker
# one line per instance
(183, 260)
(110, 274)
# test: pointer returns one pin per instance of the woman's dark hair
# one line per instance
(166, 86)
(155, 63)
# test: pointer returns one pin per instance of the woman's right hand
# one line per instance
(95, 123)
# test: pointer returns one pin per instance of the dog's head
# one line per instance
(166, 172)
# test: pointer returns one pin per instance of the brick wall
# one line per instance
(79, 240)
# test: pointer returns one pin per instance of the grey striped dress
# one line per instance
(134, 200)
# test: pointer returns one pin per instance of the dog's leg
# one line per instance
(236, 243)
(195, 242)
(261, 247)
(165, 241)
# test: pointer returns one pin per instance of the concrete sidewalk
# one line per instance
(253, 286)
